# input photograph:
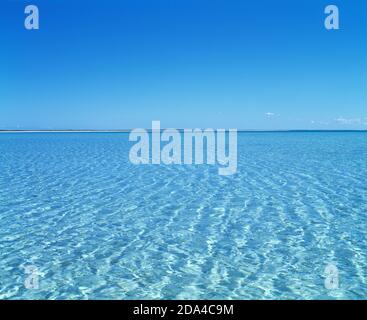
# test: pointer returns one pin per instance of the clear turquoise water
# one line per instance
(98, 227)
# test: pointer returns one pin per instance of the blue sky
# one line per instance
(189, 63)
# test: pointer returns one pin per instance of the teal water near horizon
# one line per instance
(98, 227)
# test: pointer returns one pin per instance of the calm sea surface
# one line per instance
(96, 226)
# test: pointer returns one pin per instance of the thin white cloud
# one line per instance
(342, 121)
(270, 114)
(351, 121)
(324, 123)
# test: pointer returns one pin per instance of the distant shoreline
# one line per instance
(149, 130)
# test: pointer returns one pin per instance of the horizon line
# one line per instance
(179, 129)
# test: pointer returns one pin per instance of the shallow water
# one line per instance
(97, 227)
